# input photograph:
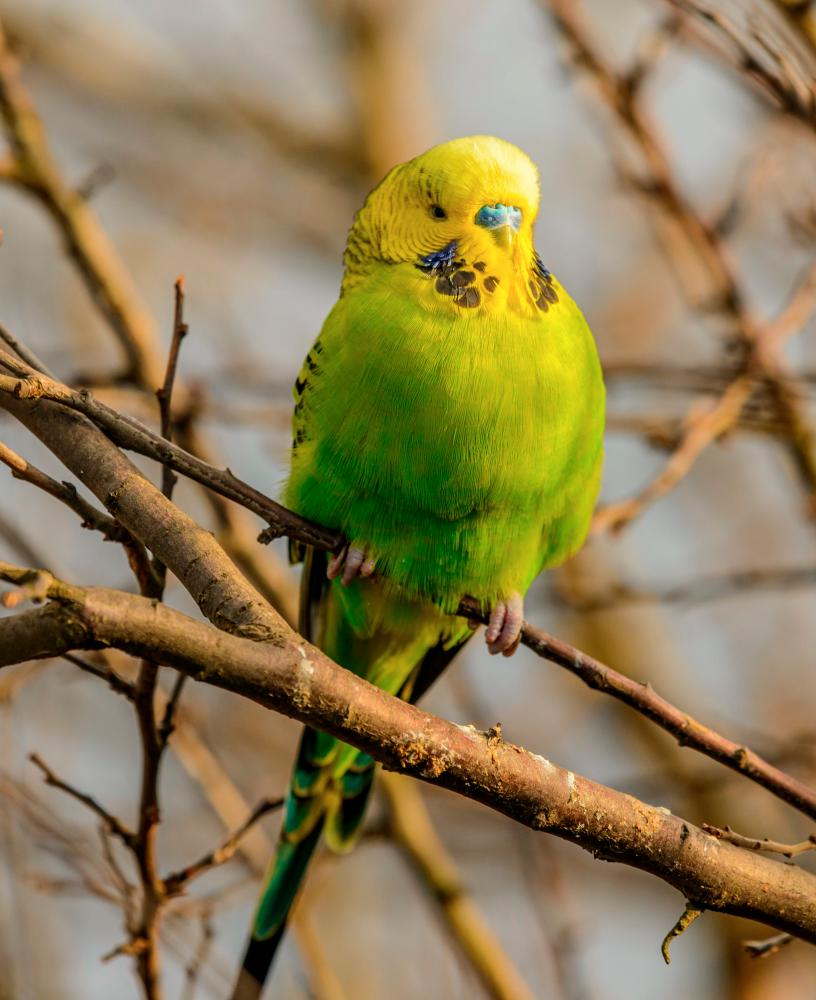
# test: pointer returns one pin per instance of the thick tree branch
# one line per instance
(295, 678)
(189, 551)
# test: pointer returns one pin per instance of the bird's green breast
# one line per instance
(462, 447)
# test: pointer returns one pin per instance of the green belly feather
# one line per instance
(464, 451)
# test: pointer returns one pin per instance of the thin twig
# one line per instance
(178, 881)
(34, 589)
(129, 433)
(111, 822)
(133, 947)
(753, 57)
(767, 946)
(66, 493)
(709, 254)
(687, 918)
(25, 352)
(168, 717)
(647, 702)
(125, 886)
(107, 674)
(755, 844)
(164, 393)
(145, 840)
(196, 964)
(92, 517)
(699, 591)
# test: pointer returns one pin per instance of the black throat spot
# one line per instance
(453, 278)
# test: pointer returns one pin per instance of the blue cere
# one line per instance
(494, 216)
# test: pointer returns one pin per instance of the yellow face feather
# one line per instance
(456, 195)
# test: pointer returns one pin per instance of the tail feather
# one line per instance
(283, 880)
(398, 649)
(344, 821)
(255, 968)
(282, 883)
(316, 752)
(302, 814)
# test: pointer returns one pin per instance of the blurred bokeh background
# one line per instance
(232, 142)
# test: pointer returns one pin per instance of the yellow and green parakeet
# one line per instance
(449, 422)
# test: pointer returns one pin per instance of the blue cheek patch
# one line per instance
(438, 259)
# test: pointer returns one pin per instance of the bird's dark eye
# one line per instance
(438, 212)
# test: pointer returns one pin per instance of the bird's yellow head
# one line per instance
(462, 215)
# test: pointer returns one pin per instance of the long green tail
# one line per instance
(326, 797)
(400, 647)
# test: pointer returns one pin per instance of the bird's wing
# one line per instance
(300, 429)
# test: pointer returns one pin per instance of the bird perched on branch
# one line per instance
(449, 422)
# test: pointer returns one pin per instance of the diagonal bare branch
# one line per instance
(296, 679)
(110, 821)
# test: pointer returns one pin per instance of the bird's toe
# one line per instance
(504, 627)
(350, 563)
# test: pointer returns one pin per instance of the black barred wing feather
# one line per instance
(300, 392)
(300, 420)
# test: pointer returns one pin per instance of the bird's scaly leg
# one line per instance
(504, 628)
(349, 563)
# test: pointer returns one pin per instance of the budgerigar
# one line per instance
(449, 422)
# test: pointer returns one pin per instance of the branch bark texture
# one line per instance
(294, 678)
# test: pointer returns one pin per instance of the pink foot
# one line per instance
(504, 628)
(350, 563)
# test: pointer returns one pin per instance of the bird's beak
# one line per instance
(502, 221)
(504, 236)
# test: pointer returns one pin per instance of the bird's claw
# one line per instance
(349, 563)
(504, 627)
